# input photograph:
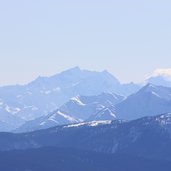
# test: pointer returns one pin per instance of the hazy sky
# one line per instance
(130, 38)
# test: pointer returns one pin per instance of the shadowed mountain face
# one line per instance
(66, 159)
(149, 137)
(47, 94)
(149, 101)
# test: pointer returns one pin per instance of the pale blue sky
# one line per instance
(43, 37)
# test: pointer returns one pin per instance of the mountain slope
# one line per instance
(77, 109)
(107, 113)
(148, 137)
(8, 119)
(150, 100)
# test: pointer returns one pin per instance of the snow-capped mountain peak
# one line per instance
(162, 72)
(160, 77)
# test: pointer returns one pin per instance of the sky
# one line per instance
(130, 39)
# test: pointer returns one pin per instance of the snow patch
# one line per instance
(69, 118)
(164, 119)
(12, 110)
(154, 93)
(91, 124)
(43, 123)
(77, 100)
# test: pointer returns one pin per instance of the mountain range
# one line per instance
(46, 94)
(150, 100)
(77, 109)
(86, 120)
(147, 137)
(73, 96)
